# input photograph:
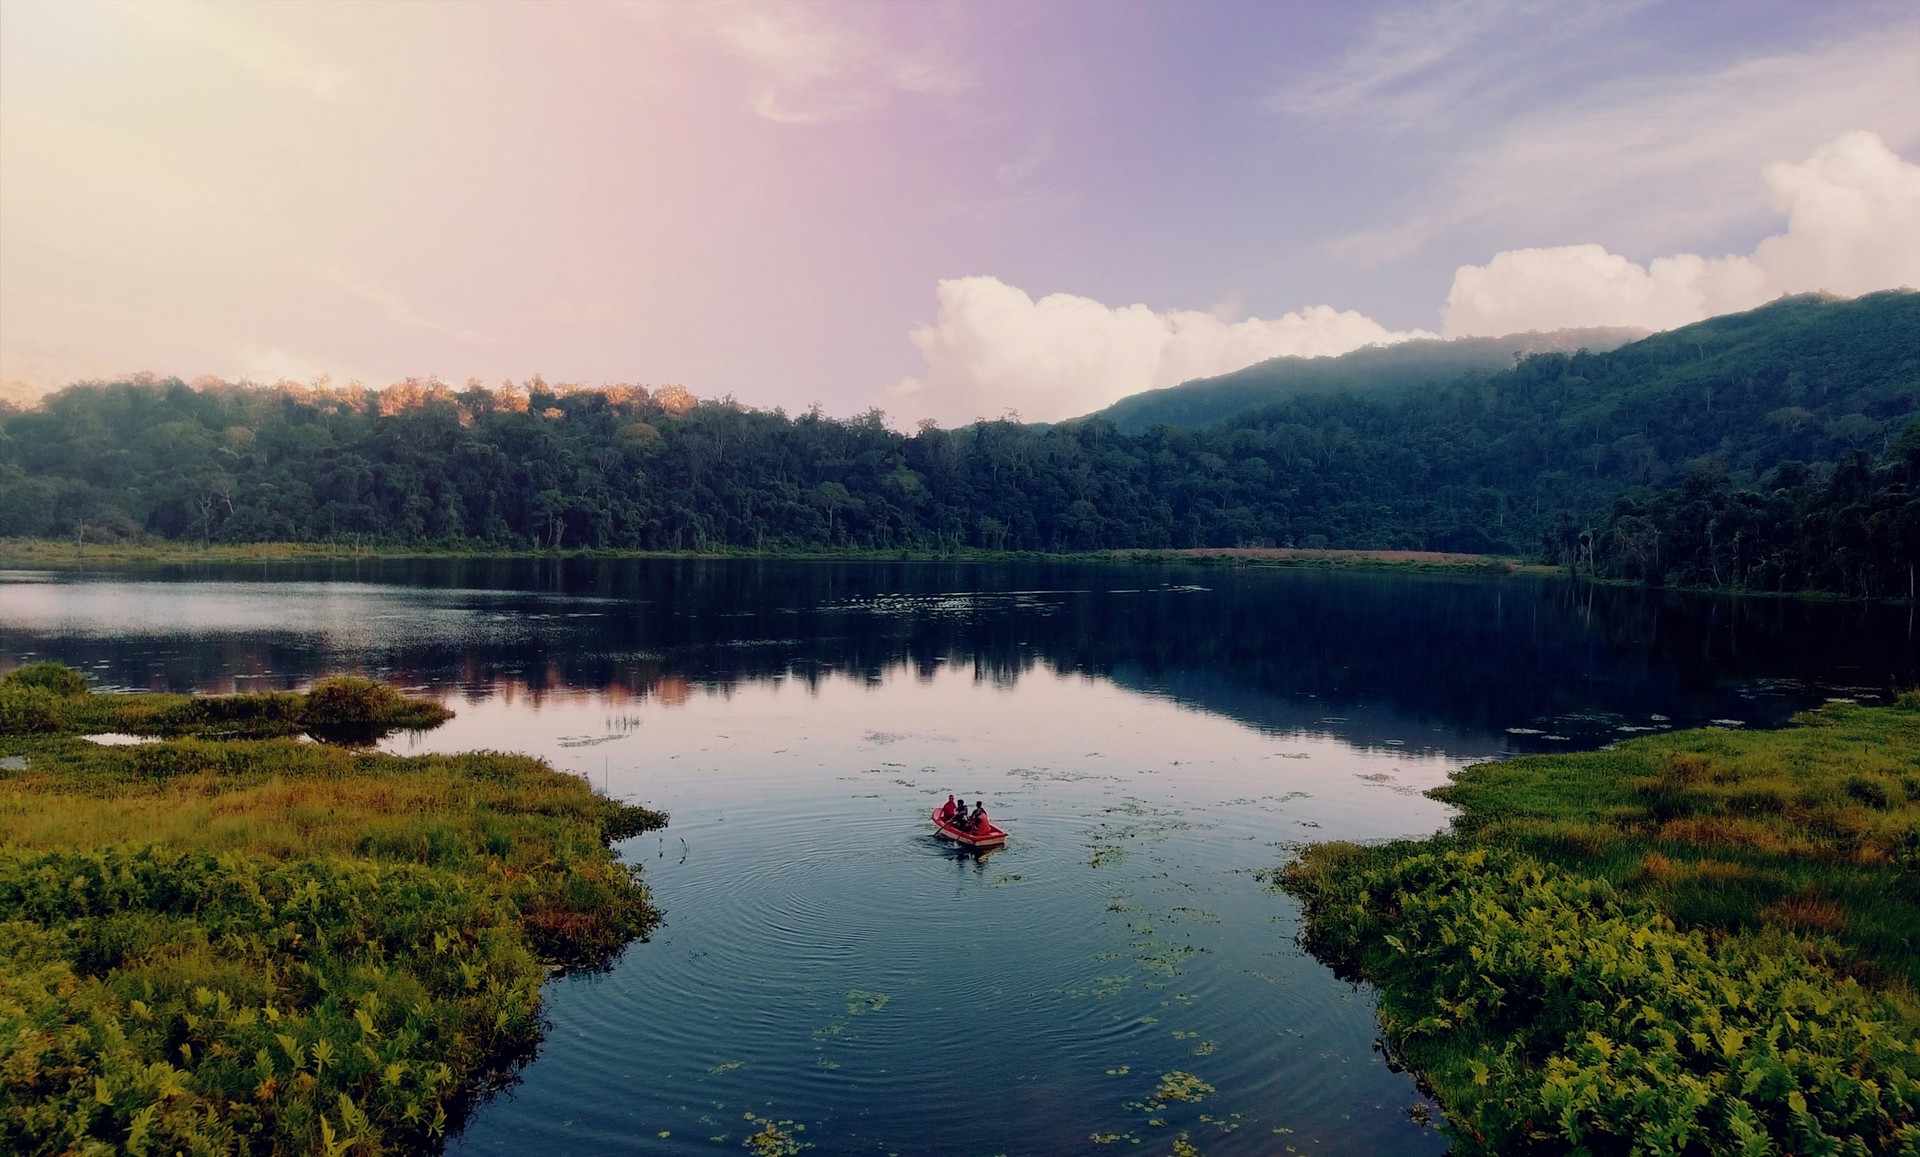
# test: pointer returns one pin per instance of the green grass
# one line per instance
(1815, 827)
(60, 555)
(47, 697)
(221, 944)
(1694, 943)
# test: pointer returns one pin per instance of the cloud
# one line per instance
(809, 65)
(391, 305)
(28, 375)
(1644, 154)
(597, 312)
(212, 28)
(993, 348)
(274, 365)
(1853, 226)
(1420, 65)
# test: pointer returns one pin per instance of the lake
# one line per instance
(1153, 738)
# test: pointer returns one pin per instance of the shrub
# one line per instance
(1553, 1014)
(52, 677)
(163, 1002)
(25, 708)
(351, 709)
(347, 701)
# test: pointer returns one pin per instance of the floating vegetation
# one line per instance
(774, 1138)
(1122, 1071)
(1107, 855)
(1113, 1138)
(861, 1002)
(1010, 879)
(824, 1062)
(1180, 1085)
(1184, 1148)
(1166, 961)
(831, 1029)
(589, 740)
(1200, 915)
(725, 1067)
(1033, 775)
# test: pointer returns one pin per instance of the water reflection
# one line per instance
(1355, 655)
(1151, 737)
(825, 960)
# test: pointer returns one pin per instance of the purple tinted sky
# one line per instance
(763, 199)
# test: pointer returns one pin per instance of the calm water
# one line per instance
(1151, 737)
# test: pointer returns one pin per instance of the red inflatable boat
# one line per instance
(991, 838)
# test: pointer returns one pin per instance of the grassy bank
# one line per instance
(224, 942)
(1700, 942)
(66, 555)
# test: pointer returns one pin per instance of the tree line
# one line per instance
(1798, 410)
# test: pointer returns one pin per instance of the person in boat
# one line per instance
(949, 809)
(959, 817)
(978, 823)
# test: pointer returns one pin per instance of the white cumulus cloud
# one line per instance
(993, 348)
(1853, 226)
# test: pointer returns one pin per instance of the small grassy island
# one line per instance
(1703, 942)
(232, 940)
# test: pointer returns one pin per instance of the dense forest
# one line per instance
(1377, 370)
(1771, 449)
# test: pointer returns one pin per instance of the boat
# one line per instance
(993, 837)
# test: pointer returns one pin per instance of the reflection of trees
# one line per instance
(1459, 652)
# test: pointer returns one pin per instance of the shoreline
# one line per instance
(58, 555)
(52, 555)
(1587, 916)
(230, 938)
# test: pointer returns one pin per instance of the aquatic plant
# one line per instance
(351, 708)
(54, 678)
(1180, 1085)
(221, 945)
(775, 1138)
(1691, 943)
(47, 697)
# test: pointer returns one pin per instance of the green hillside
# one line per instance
(1376, 370)
(1773, 449)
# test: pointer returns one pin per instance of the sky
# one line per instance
(946, 210)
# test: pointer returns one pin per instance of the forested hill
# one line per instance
(1695, 437)
(1378, 370)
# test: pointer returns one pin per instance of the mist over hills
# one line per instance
(1373, 369)
(1775, 449)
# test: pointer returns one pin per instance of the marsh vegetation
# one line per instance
(231, 940)
(1699, 942)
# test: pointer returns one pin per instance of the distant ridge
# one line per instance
(1374, 369)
